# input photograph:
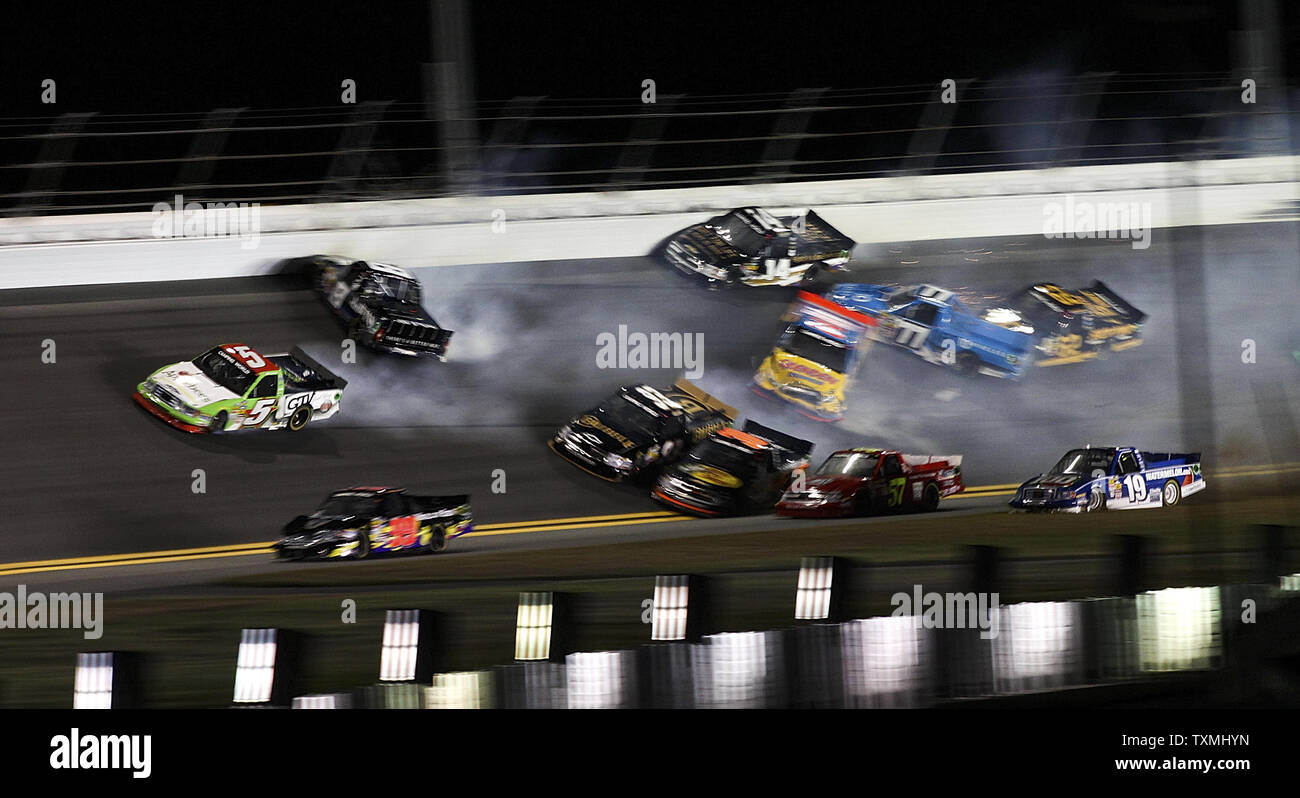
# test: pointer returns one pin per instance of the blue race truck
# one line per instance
(1112, 477)
(937, 326)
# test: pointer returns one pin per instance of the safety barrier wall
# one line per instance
(118, 248)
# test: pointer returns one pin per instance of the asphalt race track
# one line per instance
(86, 472)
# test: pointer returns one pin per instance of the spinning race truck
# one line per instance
(232, 387)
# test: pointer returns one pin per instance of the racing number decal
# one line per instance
(403, 532)
(260, 412)
(911, 334)
(247, 355)
(896, 491)
(1137, 487)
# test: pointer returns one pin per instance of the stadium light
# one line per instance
(678, 609)
(105, 680)
(601, 679)
(405, 655)
(323, 701)
(1039, 646)
(817, 597)
(740, 670)
(1179, 629)
(887, 662)
(1291, 582)
(463, 690)
(533, 626)
(265, 666)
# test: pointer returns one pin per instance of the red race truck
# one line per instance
(868, 481)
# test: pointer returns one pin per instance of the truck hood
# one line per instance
(708, 475)
(861, 296)
(787, 369)
(605, 437)
(701, 241)
(1057, 481)
(827, 483)
(194, 387)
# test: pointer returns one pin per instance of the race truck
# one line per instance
(380, 304)
(868, 481)
(1078, 325)
(813, 363)
(1112, 477)
(751, 246)
(639, 429)
(232, 387)
(358, 522)
(733, 472)
(937, 326)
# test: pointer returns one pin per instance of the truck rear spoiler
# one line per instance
(320, 371)
(814, 222)
(690, 389)
(1171, 458)
(927, 459)
(796, 446)
(1116, 301)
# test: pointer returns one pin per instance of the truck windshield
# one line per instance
(737, 232)
(398, 288)
(342, 505)
(624, 415)
(735, 460)
(852, 464)
(1083, 461)
(802, 343)
(220, 367)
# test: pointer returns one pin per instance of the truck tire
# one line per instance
(218, 424)
(1096, 501)
(363, 544)
(437, 541)
(1170, 493)
(968, 364)
(862, 504)
(300, 418)
(930, 498)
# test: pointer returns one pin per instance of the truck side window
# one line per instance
(1128, 463)
(890, 467)
(392, 506)
(266, 387)
(922, 313)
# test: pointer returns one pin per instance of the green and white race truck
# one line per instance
(232, 387)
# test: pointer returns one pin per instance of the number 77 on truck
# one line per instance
(232, 387)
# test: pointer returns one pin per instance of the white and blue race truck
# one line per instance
(1112, 478)
(937, 326)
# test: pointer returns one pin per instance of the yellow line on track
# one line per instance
(487, 530)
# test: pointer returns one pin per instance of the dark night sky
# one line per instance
(152, 57)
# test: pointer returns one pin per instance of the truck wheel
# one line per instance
(218, 424)
(437, 541)
(1096, 501)
(1171, 493)
(363, 544)
(930, 498)
(862, 504)
(300, 418)
(968, 364)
